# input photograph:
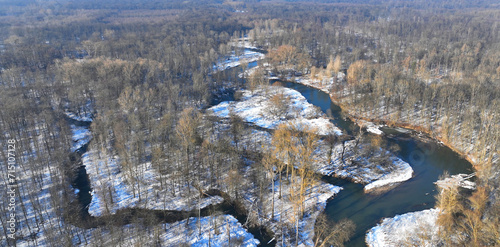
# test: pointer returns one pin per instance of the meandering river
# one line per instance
(427, 158)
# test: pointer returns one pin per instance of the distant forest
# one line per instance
(144, 72)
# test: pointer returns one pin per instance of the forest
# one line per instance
(173, 123)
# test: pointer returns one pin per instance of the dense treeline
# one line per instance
(410, 67)
(144, 70)
(141, 83)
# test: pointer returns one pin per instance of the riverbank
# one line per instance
(411, 229)
(114, 197)
(418, 193)
(378, 169)
(195, 225)
(364, 121)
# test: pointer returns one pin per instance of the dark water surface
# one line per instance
(427, 158)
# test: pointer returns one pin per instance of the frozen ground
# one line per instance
(39, 191)
(219, 230)
(84, 112)
(324, 85)
(113, 190)
(400, 172)
(81, 136)
(215, 231)
(85, 117)
(243, 42)
(376, 169)
(410, 229)
(360, 167)
(258, 108)
(371, 127)
(459, 180)
(283, 222)
(418, 117)
(416, 228)
(235, 60)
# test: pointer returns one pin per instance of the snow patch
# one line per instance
(113, 191)
(459, 180)
(402, 171)
(410, 229)
(215, 231)
(352, 162)
(81, 136)
(254, 107)
(284, 214)
(235, 60)
(371, 127)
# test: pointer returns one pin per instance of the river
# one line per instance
(427, 158)
(82, 184)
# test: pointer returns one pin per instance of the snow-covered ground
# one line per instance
(324, 85)
(366, 168)
(84, 114)
(243, 42)
(420, 117)
(371, 127)
(260, 212)
(284, 214)
(362, 170)
(257, 107)
(410, 229)
(400, 172)
(217, 230)
(254, 108)
(320, 82)
(112, 190)
(85, 117)
(415, 228)
(459, 180)
(39, 191)
(235, 60)
(81, 136)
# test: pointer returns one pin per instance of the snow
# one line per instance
(254, 107)
(113, 191)
(401, 173)
(38, 189)
(243, 42)
(316, 198)
(410, 229)
(81, 136)
(216, 230)
(362, 170)
(364, 167)
(320, 82)
(84, 117)
(417, 117)
(402, 130)
(35, 224)
(371, 127)
(458, 180)
(322, 85)
(234, 60)
(374, 130)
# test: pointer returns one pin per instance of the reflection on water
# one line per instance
(428, 160)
